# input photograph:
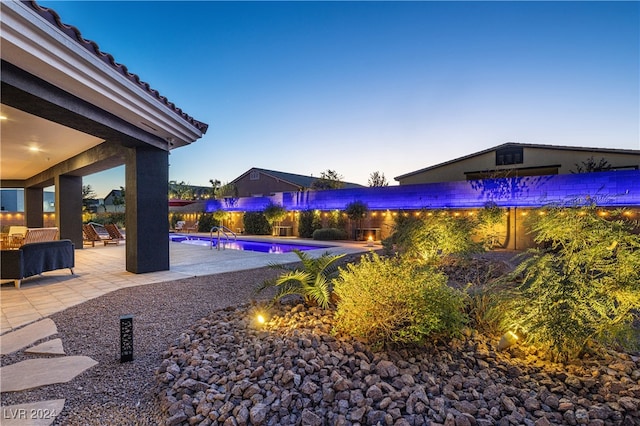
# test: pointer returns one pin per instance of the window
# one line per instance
(510, 155)
(254, 175)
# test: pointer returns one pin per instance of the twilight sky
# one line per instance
(358, 87)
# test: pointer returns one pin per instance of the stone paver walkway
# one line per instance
(33, 373)
(41, 413)
(26, 336)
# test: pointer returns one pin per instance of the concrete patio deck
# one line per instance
(101, 269)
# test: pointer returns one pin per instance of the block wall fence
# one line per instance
(517, 195)
(606, 189)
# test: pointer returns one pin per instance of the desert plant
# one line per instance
(330, 234)
(394, 301)
(582, 287)
(313, 281)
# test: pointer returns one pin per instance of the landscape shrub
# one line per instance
(337, 219)
(309, 222)
(330, 234)
(433, 235)
(392, 301)
(492, 225)
(582, 287)
(206, 221)
(312, 281)
(256, 224)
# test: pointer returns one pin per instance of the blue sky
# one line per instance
(358, 87)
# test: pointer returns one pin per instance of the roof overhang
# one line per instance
(40, 47)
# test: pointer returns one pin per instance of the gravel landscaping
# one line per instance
(201, 359)
(228, 370)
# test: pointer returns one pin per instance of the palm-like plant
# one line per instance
(313, 281)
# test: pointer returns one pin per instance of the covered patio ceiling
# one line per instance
(30, 144)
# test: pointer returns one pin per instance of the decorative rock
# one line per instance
(258, 414)
(310, 418)
(386, 369)
(294, 371)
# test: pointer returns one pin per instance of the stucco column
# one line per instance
(147, 210)
(69, 208)
(33, 207)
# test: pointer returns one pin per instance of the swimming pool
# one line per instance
(246, 245)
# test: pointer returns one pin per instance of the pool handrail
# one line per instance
(224, 231)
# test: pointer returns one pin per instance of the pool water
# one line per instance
(246, 245)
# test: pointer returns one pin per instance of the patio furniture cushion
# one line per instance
(36, 258)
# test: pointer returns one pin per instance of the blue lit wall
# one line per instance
(610, 189)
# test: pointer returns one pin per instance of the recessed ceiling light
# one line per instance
(34, 149)
(2, 117)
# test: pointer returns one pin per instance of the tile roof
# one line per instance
(72, 32)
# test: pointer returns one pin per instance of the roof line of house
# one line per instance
(524, 145)
(74, 34)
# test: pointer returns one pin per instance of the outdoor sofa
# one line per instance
(35, 258)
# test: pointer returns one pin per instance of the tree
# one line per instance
(329, 179)
(274, 213)
(119, 198)
(215, 187)
(590, 166)
(377, 179)
(87, 194)
(356, 210)
(220, 190)
(180, 190)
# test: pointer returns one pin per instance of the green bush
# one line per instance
(582, 287)
(492, 225)
(256, 224)
(206, 221)
(309, 222)
(337, 219)
(392, 301)
(433, 236)
(330, 234)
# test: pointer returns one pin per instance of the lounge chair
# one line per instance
(17, 239)
(40, 235)
(114, 232)
(91, 236)
(190, 226)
